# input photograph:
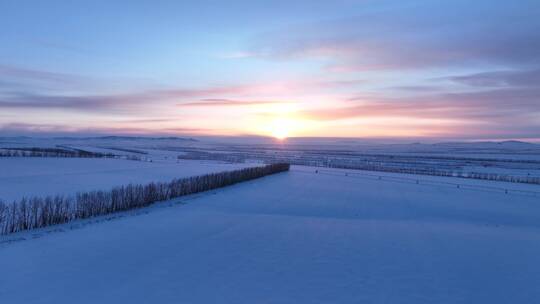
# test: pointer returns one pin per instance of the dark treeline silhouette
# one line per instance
(61, 153)
(421, 171)
(435, 172)
(127, 150)
(225, 157)
(51, 152)
(37, 212)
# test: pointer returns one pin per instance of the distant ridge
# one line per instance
(14, 137)
(112, 137)
(515, 143)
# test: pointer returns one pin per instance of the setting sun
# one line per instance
(280, 129)
(283, 127)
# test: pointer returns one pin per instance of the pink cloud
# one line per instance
(218, 102)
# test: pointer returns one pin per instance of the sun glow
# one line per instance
(280, 121)
(280, 129)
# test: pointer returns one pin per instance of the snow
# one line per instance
(32, 176)
(296, 237)
(512, 158)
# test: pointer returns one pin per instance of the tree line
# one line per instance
(37, 212)
(373, 165)
(52, 152)
(425, 171)
(62, 153)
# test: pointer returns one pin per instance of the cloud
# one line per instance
(29, 128)
(515, 78)
(424, 35)
(17, 79)
(127, 102)
(419, 88)
(78, 103)
(33, 89)
(149, 120)
(61, 129)
(225, 102)
(495, 103)
(8, 71)
(227, 95)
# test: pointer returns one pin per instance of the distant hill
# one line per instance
(127, 138)
(492, 144)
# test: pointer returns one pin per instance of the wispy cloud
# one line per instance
(508, 78)
(37, 81)
(63, 129)
(491, 105)
(15, 72)
(126, 102)
(217, 102)
(76, 103)
(21, 128)
(493, 113)
(226, 95)
(433, 34)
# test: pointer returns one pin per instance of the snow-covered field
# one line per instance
(36, 176)
(511, 158)
(296, 237)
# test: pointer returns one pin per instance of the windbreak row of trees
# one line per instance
(52, 152)
(63, 153)
(40, 212)
(434, 172)
(225, 157)
(127, 150)
(422, 171)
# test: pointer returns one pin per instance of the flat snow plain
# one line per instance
(30, 176)
(295, 237)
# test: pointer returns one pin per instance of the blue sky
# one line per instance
(412, 69)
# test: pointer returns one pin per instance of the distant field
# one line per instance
(29, 176)
(503, 167)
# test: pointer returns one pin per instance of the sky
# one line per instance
(467, 70)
